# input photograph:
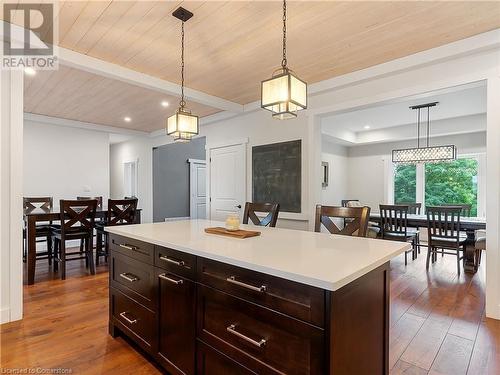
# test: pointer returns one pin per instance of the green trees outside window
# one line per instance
(453, 182)
(446, 183)
(405, 183)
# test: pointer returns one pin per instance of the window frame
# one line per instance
(420, 183)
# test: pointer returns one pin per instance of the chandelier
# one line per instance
(284, 94)
(182, 125)
(427, 154)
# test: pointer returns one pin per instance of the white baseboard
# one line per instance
(4, 315)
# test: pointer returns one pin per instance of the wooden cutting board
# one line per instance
(240, 233)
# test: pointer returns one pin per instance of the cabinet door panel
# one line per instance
(211, 362)
(177, 323)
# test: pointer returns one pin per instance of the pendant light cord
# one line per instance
(182, 103)
(283, 62)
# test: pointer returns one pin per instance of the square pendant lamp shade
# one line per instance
(182, 125)
(284, 94)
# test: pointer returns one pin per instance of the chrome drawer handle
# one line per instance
(232, 329)
(170, 260)
(232, 280)
(129, 277)
(128, 247)
(130, 321)
(164, 276)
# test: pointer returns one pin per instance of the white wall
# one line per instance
(137, 149)
(337, 157)
(65, 162)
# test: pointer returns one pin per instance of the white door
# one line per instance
(227, 181)
(197, 189)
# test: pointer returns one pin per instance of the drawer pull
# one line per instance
(232, 280)
(164, 276)
(128, 247)
(129, 277)
(232, 329)
(130, 321)
(173, 261)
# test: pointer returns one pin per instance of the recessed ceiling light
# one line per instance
(29, 71)
(127, 119)
(164, 104)
(367, 127)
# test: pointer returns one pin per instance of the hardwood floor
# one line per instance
(437, 324)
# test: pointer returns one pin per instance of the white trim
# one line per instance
(4, 315)
(192, 187)
(103, 68)
(80, 124)
(197, 161)
(232, 142)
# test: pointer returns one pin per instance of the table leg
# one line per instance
(469, 256)
(31, 243)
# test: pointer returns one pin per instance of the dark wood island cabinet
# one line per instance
(195, 315)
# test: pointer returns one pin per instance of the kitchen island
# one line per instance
(285, 302)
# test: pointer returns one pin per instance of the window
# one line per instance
(447, 183)
(452, 182)
(405, 184)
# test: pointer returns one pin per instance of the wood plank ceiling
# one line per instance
(231, 46)
(77, 95)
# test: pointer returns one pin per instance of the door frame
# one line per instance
(192, 170)
(212, 146)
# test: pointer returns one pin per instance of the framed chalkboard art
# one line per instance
(277, 174)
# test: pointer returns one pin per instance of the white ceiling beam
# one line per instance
(103, 68)
(33, 117)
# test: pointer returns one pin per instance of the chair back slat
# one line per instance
(251, 209)
(46, 203)
(77, 215)
(394, 219)
(98, 199)
(357, 225)
(443, 222)
(121, 211)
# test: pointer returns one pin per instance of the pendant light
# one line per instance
(284, 93)
(182, 125)
(427, 154)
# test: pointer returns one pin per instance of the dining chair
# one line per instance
(443, 225)
(272, 210)
(99, 205)
(373, 230)
(413, 208)
(465, 209)
(479, 245)
(120, 212)
(42, 230)
(394, 225)
(357, 225)
(77, 223)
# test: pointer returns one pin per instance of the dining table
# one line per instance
(32, 216)
(467, 224)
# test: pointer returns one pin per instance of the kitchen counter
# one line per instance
(317, 259)
(285, 302)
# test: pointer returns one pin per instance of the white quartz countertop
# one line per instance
(318, 259)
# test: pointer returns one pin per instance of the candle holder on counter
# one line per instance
(233, 222)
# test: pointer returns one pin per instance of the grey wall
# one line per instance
(171, 177)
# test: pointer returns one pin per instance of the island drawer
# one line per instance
(182, 264)
(297, 300)
(211, 362)
(135, 320)
(135, 279)
(260, 339)
(136, 249)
